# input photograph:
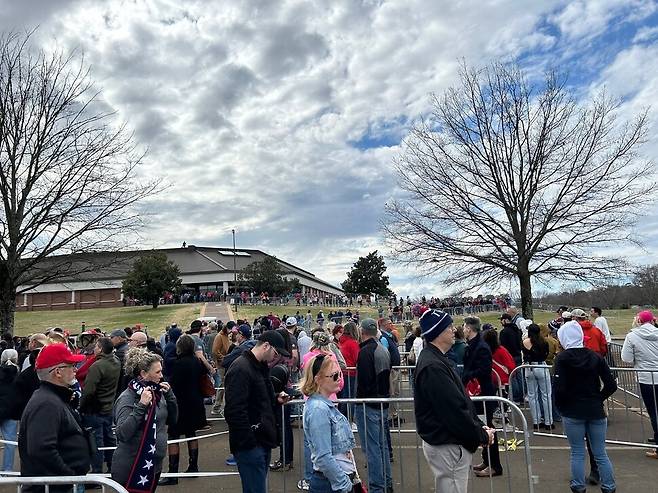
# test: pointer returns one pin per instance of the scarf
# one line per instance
(142, 474)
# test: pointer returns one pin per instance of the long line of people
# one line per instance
(127, 382)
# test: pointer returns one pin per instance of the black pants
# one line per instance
(491, 455)
(650, 398)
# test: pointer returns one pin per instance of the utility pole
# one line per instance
(235, 272)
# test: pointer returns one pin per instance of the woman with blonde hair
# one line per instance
(326, 431)
(141, 415)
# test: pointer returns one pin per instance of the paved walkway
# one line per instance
(220, 310)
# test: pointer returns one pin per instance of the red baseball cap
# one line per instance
(56, 354)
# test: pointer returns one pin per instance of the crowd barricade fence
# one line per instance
(48, 481)
(628, 409)
(409, 469)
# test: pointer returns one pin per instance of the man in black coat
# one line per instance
(449, 426)
(51, 441)
(249, 410)
(511, 339)
(478, 366)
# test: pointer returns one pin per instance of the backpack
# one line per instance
(392, 347)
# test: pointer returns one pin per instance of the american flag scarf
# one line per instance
(142, 474)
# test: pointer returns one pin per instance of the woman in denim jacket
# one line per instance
(326, 430)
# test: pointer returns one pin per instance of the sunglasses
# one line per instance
(335, 376)
(60, 368)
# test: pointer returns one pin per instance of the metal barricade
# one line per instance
(398, 449)
(47, 481)
(628, 410)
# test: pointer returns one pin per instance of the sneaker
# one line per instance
(230, 461)
(652, 454)
(278, 466)
(354, 428)
(303, 485)
(219, 413)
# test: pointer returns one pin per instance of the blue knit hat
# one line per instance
(432, 323)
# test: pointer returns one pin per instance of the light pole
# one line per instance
(235, 273)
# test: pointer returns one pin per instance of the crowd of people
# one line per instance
(111, 402)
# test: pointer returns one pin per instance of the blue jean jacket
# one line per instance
(328, 433)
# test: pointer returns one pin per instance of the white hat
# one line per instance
(291, 322)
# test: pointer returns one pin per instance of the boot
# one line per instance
(194, 460)
(173, 468)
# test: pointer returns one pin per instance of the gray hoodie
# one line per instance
(641, 350)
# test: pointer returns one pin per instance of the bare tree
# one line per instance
(507, 181)
(68, 179)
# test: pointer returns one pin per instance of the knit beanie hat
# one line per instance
(432, 323)
(645, 317)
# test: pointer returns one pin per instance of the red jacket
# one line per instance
(502, 364)
(350, 351)
(593, 338)
(81, 374)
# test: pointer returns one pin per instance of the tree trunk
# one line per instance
(155, 303)
(7, 309)
(526, 294)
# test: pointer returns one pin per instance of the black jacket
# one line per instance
(101, 385)
(50, 440)
(373, 369)
(26, 384)
(8, 408)
(250, 405)
(510, 339)
(578, 376)
(445, 415)
(477, 364)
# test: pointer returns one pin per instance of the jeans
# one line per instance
(372, 434)
(348, 392)
(101, 425)
(320, 484)
(8, 429)
(287, 445)
(595, 430)
(308, 465)
(252, 466)
(517, 383)
(650, 397)
(538, 379)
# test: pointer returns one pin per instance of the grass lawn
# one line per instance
(619, 321)
(107, 318)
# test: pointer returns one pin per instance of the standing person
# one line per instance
(478, 364)
(580, 399)
(641, 350)
(185, 381)
(601, 322)
(8, 411)
(593, 337)
(511, 339)
(220, 347)
(373, 368)
(250, 408)
(119, 340)
(502, 361)
(97, 401)
(141, 414)
(538, 378)
(349, 348)
(169, 353)
(50, 439)
(449, 427)
(457, 351)
(326, 431)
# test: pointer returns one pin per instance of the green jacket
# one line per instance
(101, 385)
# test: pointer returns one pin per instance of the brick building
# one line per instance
(202, 269)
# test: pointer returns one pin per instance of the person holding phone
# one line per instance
(141, 415)
(249, 410)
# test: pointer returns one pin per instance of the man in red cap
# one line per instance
(51, 441)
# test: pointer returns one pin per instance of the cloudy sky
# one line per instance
(281, 118)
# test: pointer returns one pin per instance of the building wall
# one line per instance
(69, 300)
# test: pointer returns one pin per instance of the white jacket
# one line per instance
(641, 350)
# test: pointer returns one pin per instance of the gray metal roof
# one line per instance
(99, 266)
